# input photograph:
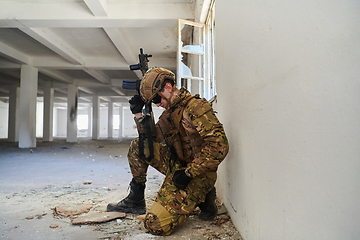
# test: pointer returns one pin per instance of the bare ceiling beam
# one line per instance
(89, 83)
(124, 101)
(52, 41)
(49, 14)
(98, 75)
(97, 7)
(98, 63)
(115, 89)
(57, 75)
(87, 90)
(56, 85)
(9, 82)
(104, 63)
(4, 64)
(123, 45)
(11, 73)
(64, 91)
(13, 54)
(53, 62)
(106, 99)
(107, 94)
(3, 90)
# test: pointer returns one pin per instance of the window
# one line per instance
(196, 56)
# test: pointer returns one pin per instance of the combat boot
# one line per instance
(133, 203)
(208, 209)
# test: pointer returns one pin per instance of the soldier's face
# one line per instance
(166, 92)
(162, 103)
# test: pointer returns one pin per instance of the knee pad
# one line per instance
(159, 221)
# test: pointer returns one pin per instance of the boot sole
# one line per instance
(137, 211)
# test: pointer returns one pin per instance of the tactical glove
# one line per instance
(180, 179)
(136, 104)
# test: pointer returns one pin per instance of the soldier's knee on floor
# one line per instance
(160, 222)
(155, 226)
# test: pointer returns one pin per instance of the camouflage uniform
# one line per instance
(191, 127)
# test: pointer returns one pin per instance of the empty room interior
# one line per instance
(281, 76)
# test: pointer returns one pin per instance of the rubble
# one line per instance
(67, 211)
(55, 225)
(59, 180)
(98, 217)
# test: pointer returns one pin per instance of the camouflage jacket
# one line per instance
(192, 129)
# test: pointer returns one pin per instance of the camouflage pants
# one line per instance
(172, 206)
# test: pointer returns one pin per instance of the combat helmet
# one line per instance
(152, 81)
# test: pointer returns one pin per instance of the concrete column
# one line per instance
(121, 121)
(96, 118)
(71, 135)
(110, 119)
(13, 126)
(27, 108)
(89, 122)
(48, 113)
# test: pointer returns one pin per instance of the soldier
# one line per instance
(188, 145)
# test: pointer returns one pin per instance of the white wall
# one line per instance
(40, 117)
(129, 127)
(4, 119)
(104, 122)
(288, 80)
(55, 122)
(4, 114)
(61, 115)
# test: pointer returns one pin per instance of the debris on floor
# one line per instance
(67, 211)
(32, 184)
(98, 217)
(55, 225)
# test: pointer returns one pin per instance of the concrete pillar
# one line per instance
(71, 135)
(110, 119)
(13, 126)
(27, 108)
(121, 121)
(89, 121)
(48, 113)
(96, 118)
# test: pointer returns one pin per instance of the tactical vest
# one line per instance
(180, 133)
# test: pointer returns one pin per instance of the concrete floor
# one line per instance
(34, 181)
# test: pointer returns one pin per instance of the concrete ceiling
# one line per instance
(89, 43)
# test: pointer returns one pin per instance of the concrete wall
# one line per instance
(61, 116)
(55, 122)
(40, 118)
(4, 114)
(288, 80)
(103, 122)
(129, 128)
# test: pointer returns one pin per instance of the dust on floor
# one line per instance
(34, 181)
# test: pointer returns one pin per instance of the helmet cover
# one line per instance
(152, 81)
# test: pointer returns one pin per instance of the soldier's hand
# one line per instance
(180, 179)
(136, 104)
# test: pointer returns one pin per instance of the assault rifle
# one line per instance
(142, 66)
(148, 120)
(143, 62)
